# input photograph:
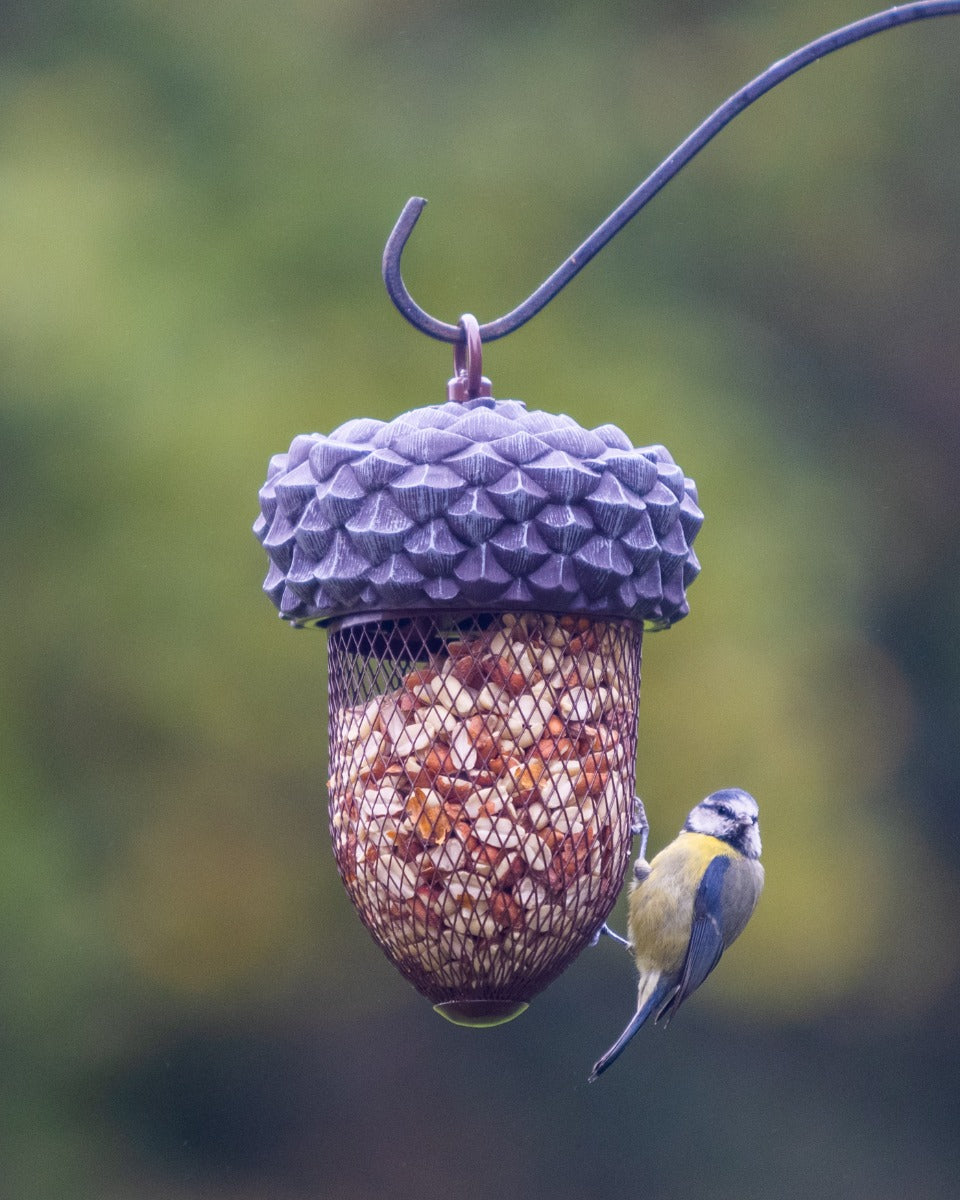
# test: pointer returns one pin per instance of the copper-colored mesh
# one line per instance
(481, 787)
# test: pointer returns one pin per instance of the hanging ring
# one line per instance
(468, 382)
(777, 73)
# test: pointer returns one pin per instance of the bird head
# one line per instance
(730, 815)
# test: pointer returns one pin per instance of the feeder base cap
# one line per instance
(481, 1013)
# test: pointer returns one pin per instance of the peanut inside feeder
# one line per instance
(486, 573)
(480, 794)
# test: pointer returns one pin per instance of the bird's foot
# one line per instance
(639, 825)
(605, 929)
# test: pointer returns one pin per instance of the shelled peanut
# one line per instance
(480, 809)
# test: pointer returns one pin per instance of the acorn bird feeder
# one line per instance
(485, 573)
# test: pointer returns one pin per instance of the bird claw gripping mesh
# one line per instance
(481, 794)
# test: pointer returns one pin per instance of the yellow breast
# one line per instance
(661, 906)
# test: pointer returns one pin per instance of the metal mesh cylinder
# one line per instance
(481, 791)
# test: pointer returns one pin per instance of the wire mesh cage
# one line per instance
(481, 793)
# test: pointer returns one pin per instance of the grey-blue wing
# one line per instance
(742, 886)
(706, 937)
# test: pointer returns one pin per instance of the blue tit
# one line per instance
(689, 905)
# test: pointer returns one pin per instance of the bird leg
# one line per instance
(605, 929)
(640, 825)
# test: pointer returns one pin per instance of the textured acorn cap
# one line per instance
(474, 506)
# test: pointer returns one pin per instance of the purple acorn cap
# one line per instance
(477, 505)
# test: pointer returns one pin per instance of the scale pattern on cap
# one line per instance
(477, 505)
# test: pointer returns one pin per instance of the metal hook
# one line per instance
(774, 74)
(468, 382)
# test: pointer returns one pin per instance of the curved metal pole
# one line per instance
(774, 74)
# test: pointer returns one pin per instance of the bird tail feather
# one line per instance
(618, 1047)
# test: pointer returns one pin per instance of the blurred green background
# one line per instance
(193, 203)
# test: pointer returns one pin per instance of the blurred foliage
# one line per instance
(194, 204)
